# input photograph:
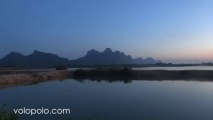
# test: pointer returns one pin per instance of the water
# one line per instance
(176, 68)
(163, 68)
(138, 100)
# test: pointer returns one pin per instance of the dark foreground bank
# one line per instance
(144, 74)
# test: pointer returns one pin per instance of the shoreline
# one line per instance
(126, 74)
(11, 80)
(28, 78)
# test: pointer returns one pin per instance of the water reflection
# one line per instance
(176, 68)
(104, 100)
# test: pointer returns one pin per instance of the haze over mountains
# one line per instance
(45, 60)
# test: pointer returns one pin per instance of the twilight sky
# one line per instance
(169, 30)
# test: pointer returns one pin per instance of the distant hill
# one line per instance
(35, 60)
(108, 57)
(45, 60)
(148, 60)
(13, 59)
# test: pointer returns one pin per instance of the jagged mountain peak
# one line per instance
(14, 54)
(106, 57)
(43, 54)
(39, 52)
(107, 50)
(92, 51)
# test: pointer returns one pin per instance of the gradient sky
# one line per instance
(169, 30)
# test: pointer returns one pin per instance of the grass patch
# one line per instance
(5, 114)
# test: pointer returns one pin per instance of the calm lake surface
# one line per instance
(138, 100)
(163, 68)
(176, 68)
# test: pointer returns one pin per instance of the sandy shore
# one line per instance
(11, 80)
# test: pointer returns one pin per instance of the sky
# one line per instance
(178, 31)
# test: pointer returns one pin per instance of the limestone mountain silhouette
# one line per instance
(93, 57)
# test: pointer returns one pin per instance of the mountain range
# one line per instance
(93, 57)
